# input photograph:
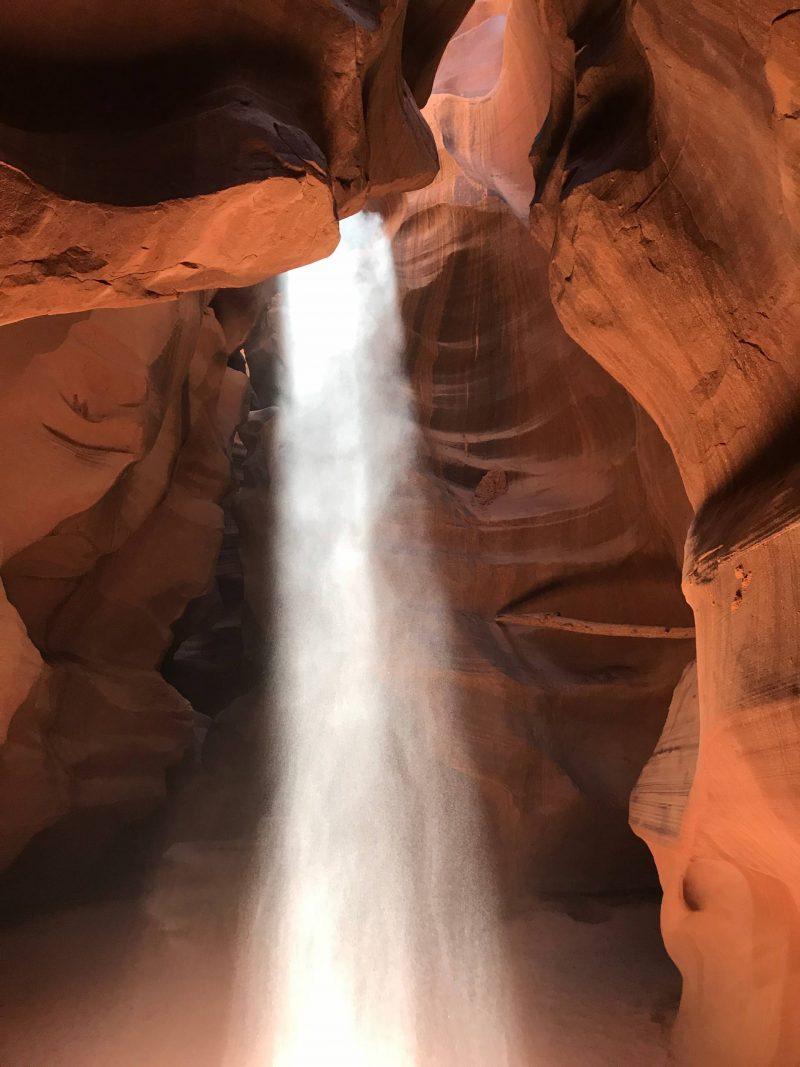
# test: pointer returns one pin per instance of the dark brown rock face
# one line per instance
(600, 291)
(667, 174)
(555, 494)
(159, 148)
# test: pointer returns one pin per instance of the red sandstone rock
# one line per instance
(545, 468)
(665, 157)
(668, 174)
(144, 153)
(155, 149)
(115, 437)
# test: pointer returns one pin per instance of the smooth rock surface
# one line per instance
(155, 149)
(114, 435)
(667, 181)
(553, 490)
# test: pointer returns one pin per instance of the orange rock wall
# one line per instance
(150, 155)
(542, 466)
(118, 442)
(667, 175)
(664, 149)
(607, 262)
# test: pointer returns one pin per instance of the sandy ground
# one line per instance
(85, 987)
(599, 992)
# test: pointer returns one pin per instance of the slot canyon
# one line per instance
(399, 533)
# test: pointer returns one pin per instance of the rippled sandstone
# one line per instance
(667, 176)
(148, 149)
(554, 494)
(601, 297)
(150, 157)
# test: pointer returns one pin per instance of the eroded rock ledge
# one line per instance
(147, 151)
(151, 156)
(601, 295)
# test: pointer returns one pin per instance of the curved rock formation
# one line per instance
(543, 469)
(153, 149)
(601, 297)
(665, 155)
(667, 170)
(117, 429)
(147, 152)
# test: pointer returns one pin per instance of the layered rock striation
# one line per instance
(555, 495)
(151, 149)
(667, 177)
(600, 291)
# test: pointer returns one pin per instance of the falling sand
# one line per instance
(374, 937)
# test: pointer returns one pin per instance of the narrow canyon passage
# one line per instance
(375, 937)
(357, 923)
(399, 533)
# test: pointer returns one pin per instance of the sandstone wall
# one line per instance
(150, 154)
(555, 493)
(116, 445)
(667, 175)
(634, 282)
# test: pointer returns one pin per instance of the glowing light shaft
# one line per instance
(374, 944)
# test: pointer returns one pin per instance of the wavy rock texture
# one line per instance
(667, 172)
(649, 295)
(147, 149)
(145, 152)
(554, 492)
(115, 424)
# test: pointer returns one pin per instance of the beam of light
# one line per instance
(374, 940)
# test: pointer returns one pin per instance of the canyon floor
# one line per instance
(599, 989)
